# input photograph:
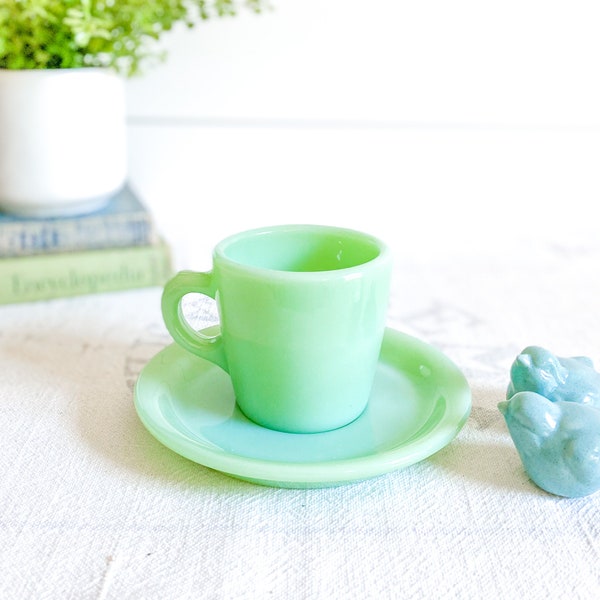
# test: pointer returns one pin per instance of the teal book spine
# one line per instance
(123, 222)
(43, 277)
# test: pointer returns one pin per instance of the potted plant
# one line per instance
(62, 101)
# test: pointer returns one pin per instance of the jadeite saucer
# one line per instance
(420, 401)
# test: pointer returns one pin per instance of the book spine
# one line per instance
(48, 236)
(43, 277)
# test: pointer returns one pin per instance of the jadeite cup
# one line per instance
(302, 312)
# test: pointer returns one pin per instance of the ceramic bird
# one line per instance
(571, 379)
(558, 442)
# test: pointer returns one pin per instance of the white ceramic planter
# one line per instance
(62, 140)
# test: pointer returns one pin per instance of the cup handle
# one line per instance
(185, 282)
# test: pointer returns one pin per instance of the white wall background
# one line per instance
(443, 126)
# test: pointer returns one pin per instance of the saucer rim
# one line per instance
(326, 472)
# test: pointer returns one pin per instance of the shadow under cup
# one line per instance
(302, 312)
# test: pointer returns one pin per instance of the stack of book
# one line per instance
(115, 248)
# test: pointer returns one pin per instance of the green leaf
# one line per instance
(117, 33)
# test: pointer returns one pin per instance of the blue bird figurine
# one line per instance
(558, 442)
(571, 379)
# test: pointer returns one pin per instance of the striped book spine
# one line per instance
(125, 221)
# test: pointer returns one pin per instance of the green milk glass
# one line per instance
(302, 312)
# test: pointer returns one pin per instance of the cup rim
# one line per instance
(383, 256)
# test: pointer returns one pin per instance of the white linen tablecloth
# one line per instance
(93, 507)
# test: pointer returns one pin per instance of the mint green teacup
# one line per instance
(302, 313)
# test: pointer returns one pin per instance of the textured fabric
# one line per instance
(93, 507)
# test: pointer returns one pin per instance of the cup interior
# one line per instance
(302, 250)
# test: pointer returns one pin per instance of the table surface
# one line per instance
(92, 506)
